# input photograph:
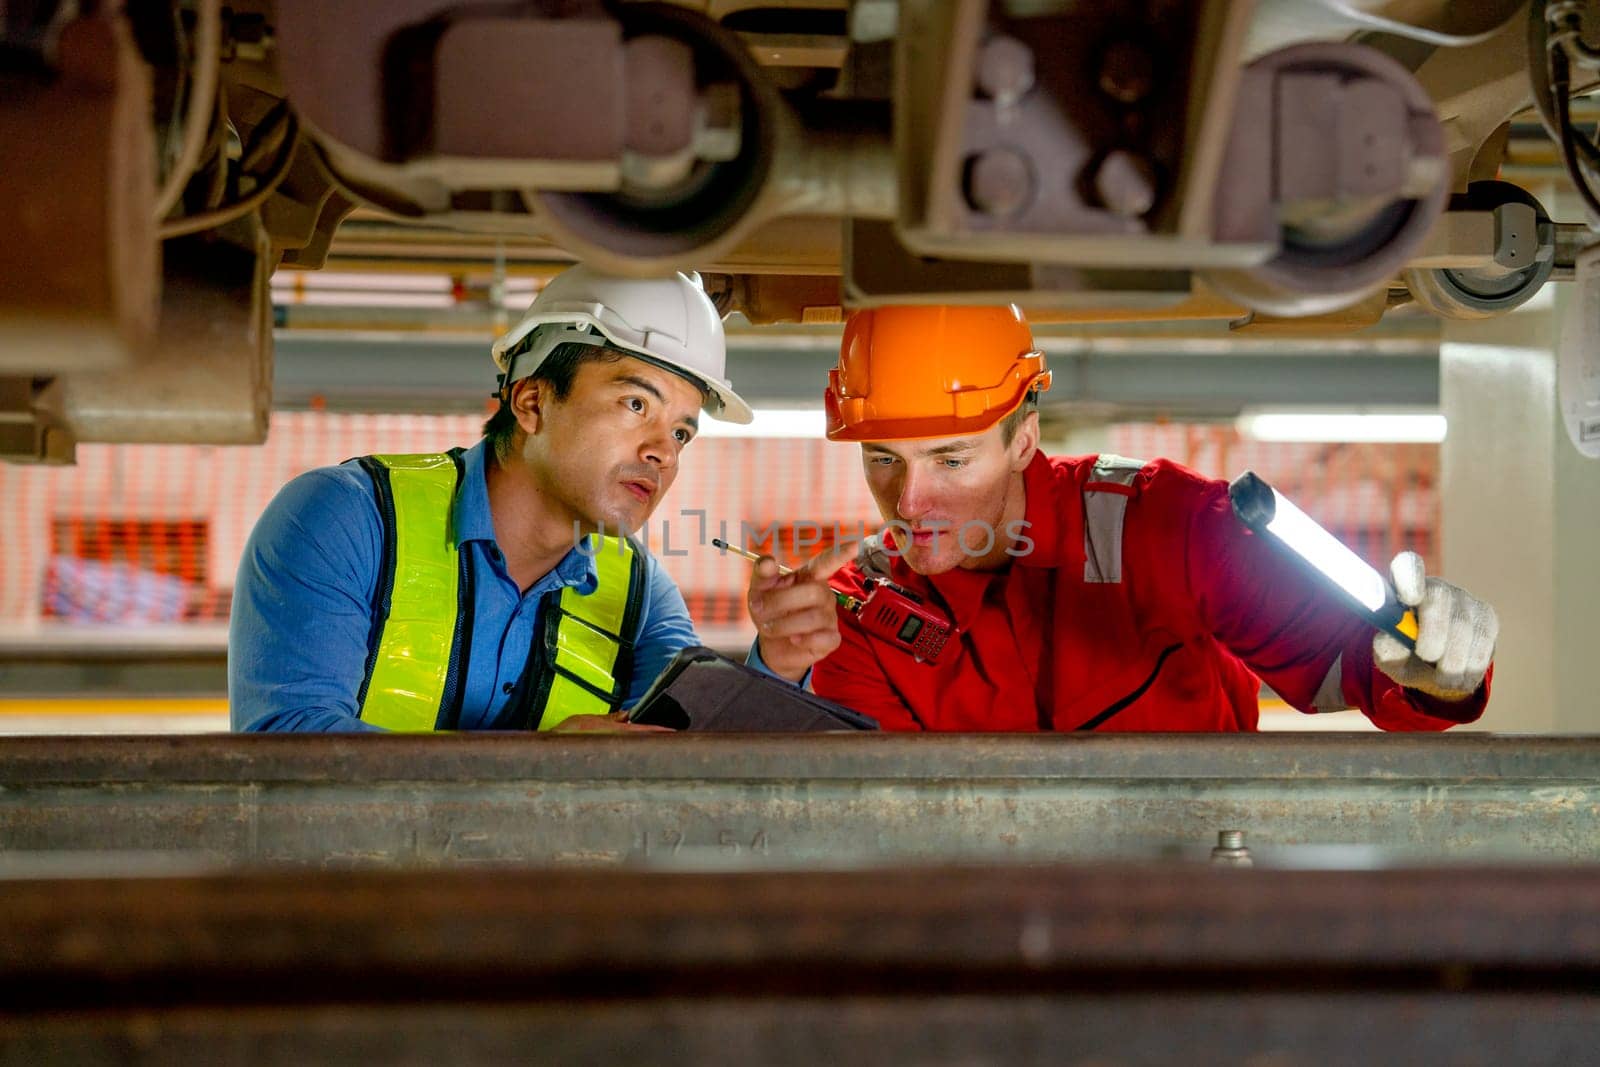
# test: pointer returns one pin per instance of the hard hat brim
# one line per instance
(721, 402)
(728, 406)
(923, 428)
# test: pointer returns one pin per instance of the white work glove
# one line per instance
(1455, 635)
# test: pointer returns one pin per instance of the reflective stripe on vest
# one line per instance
(583, 669)
(416, 667)
(410, 663)
(1105, 506)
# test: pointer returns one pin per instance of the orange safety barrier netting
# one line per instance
(1378, 498)
(152, 534)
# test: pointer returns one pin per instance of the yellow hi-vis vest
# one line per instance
(582, 656)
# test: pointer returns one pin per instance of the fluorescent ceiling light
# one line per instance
(357, 299)
(1391, 426)
(770, 422)
(323, 279)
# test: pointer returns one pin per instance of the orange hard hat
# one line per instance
(911, 372)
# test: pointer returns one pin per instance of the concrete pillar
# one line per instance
(1520, 517)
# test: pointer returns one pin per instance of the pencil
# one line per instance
(753, 557)
(846, 601)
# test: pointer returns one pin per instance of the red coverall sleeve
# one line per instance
(851, 675)
(1279, 618)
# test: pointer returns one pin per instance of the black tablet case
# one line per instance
(703, 691)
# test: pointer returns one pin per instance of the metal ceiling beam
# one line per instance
(418, 373)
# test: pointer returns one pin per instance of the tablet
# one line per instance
(703, 691)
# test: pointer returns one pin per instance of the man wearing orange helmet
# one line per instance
(1089, 592)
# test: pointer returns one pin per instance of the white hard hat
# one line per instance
(667, 321)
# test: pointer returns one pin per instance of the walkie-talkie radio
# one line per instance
(888, 612)
(900, 617)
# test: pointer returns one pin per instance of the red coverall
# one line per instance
(1203, 611)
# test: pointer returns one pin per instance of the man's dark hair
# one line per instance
(1013, 422)
(558, 371)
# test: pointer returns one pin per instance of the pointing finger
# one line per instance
(824, 566)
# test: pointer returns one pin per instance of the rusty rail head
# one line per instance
(719, 802)
(1047, 965)
(352, 759)
(557, 926)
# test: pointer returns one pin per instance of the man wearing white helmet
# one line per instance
(489, 588)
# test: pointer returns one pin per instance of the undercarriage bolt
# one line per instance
(1231, 850)
(999, 182)
(1005, 70)
(1125, 184)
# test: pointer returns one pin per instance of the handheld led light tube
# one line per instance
(1273, 515)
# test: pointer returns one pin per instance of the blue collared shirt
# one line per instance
(307, 588)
